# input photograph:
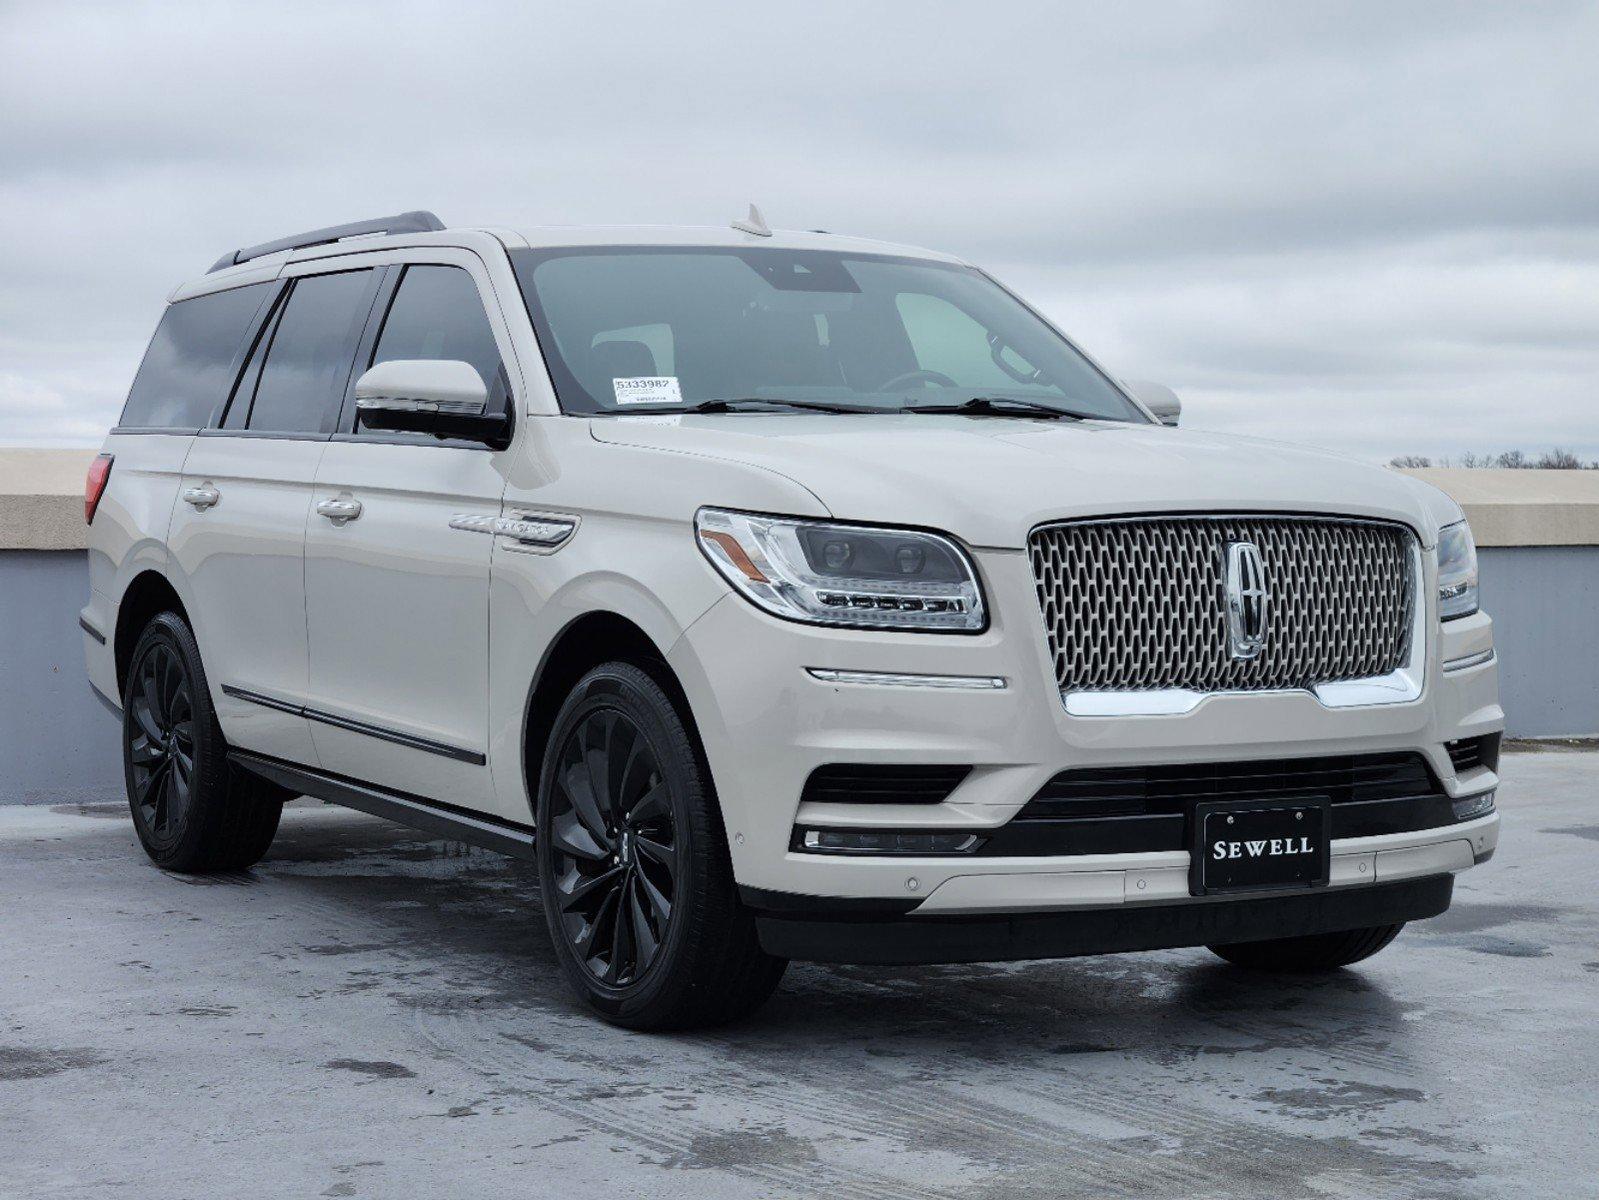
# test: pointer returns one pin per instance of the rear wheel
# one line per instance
(1314, 952)
(633, 863)
(193, 810)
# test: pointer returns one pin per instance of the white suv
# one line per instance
(783, 595)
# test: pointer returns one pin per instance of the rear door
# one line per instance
(184, 379)
(238, 529)
(398, 597)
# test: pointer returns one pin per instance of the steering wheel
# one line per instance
(914, 377)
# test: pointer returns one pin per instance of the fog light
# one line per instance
(885, 841)
(1474, 806)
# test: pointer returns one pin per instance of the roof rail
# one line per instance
(406, 222)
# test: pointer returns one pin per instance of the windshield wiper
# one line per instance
(756, 403)
(1000, 406)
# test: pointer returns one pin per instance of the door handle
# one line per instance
(339, 511)
(201, 497)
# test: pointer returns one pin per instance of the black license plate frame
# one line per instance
(1304, 862)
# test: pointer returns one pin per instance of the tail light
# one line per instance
(94, 486)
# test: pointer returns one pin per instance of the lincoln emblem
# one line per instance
(1246, 600)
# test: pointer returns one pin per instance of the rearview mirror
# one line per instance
(1157, 398)
(444, 397)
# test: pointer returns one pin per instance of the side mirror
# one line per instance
(444, 397)
(1157, 398)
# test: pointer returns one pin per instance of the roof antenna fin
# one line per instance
(754, 223)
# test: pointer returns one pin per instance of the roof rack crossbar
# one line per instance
(419, 221)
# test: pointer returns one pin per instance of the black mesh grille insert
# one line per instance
(1122, 790)
(881, 783)
(1113, 810)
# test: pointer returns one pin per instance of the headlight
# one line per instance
(1457, 571)
(831, 574)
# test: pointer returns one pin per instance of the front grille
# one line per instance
(1120, 810)
(881, 783)
(1139, 604)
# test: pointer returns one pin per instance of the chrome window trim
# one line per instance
(1402, 686)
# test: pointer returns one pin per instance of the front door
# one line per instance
(397, 575)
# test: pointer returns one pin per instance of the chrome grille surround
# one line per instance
(1134, 610)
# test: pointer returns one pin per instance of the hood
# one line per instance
(990, 480)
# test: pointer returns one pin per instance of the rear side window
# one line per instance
(308, 353)
(437, 314)
(187, 369)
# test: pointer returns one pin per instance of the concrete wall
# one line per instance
(1508, 507)
(1545, 604)
(1538, 532)
(58, 742)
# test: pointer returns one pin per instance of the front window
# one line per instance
(652, 329)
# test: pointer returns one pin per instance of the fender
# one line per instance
(526, 628)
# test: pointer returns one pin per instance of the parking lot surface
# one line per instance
(372, 1013)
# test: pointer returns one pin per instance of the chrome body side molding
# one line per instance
(399, 738)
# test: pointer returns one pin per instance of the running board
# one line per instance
(419, 813)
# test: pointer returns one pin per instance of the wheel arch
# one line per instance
(148, 593)
(595, 637)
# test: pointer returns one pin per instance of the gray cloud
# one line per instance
(1370, 226)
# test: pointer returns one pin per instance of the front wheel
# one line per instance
(633, 863)
(1314, 952)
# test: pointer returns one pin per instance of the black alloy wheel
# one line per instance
(159, 733)
(634, 867)
(192, 808)
(615, 848)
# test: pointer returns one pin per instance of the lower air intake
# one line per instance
(881, 783)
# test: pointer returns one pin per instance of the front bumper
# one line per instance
(880, 940)
(767, 723)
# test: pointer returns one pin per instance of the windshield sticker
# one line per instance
(648, 389)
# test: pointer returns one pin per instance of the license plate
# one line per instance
(1254, 845)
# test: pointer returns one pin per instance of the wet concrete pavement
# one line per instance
(371, 1013)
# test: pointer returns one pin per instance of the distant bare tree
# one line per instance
(1557, 459)
(1560, 460)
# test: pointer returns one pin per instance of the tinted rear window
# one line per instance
(308, 361)
(186, 370)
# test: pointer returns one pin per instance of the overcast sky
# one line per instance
(1369, 226)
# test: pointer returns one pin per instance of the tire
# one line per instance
(193, 810)
(628, 823)
(1315, 952)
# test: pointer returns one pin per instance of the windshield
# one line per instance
(660, 329)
